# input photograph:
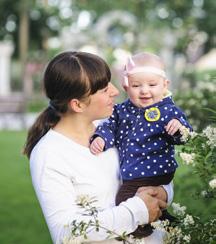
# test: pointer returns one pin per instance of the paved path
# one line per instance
(16, 121)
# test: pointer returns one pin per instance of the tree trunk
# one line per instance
(23, 38)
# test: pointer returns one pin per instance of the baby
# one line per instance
(144, 129)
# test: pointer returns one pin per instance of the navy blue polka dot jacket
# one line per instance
(145, 149)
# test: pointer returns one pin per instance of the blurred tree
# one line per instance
(184, 18)
(45, 19)
(29, 23)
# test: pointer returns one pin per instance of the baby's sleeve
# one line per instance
(108, 129)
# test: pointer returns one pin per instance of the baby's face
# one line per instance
(146, 89)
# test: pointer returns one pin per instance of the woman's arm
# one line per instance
(169, 192)
(57, 196)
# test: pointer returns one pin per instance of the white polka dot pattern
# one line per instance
(145, 149)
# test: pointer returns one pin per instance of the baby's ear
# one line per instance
(125, 88)
(167, 82)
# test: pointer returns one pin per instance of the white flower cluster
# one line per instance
(185, 134)
(188, 158)
(175, 233)
(193, 134)
(160, 225)
(210, 86)
(84, 200)
(178, 209)
(204, 193)
(188, 220)
(187, 238)
(212, 183)
(210, 133)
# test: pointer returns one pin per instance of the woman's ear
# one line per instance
(76, 105)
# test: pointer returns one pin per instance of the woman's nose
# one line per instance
(113, 90)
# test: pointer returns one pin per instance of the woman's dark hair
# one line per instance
(68, 75)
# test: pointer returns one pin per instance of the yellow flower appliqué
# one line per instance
(152, 114)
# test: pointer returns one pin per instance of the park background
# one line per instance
(32, 31)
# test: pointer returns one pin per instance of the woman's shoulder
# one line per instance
(48, 141)
(49, 146)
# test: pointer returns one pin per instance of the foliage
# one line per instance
(187, 229)
(44, 21)
(184, 18)
(196, 99)
(36, 105)
(200, 153)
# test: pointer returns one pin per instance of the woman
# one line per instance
(62, 167)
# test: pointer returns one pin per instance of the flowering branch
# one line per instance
(188, 229)
(200, 153)
(80, 229)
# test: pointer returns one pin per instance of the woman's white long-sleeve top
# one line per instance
(62, 170)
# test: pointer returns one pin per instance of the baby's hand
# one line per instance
(173, 126)
(97, 145)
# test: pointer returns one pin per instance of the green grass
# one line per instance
(21, 219)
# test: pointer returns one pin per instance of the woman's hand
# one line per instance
(157, 191)
(153, 204)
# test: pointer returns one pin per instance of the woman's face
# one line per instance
(102, 102)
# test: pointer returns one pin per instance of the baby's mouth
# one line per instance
(145, 98)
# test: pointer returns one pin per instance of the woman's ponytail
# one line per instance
(45, 121)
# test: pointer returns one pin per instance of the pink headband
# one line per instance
(131, 68)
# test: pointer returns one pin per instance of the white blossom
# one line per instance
(187, 158)
(160, 225)
(193, 134)
(212, 183)
(178, 210)
(210, 133)
(185, 134)
(204, 193)
(84, 200)
(188, 220)
(210, 86)
(187, 238)
(174, 233)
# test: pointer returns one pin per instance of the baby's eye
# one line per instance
(153, 84)
(135, 85)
